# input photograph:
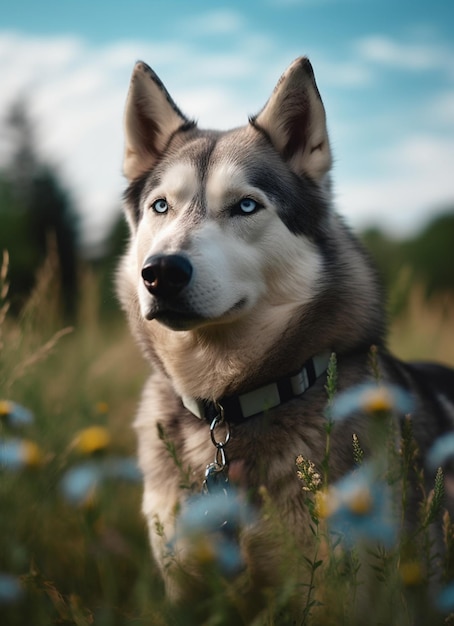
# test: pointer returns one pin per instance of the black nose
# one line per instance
(166, 275)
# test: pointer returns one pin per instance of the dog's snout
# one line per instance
(166, 275)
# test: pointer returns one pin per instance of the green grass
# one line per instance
(91, 564)
(78, 565)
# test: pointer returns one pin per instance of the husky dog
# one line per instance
(239, 280)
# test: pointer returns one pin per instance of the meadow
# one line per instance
(73, 544)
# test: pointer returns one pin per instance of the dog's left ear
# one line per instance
(294, 119)
(151, 118)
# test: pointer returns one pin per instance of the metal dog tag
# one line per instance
(216, 479)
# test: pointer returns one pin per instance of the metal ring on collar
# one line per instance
(217, 421)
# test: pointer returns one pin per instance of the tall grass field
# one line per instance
(73, 543)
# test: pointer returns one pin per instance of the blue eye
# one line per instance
(160, 206)
(247, 206)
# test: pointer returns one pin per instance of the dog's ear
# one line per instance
(294, 120)
(151, 118)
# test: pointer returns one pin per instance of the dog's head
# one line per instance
(224, 222)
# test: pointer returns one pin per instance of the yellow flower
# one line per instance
(326, 503)
(411, 573)
(360, 501)
(203, 550)
(377, 400)
(101, 408)
(92, 439)
(31, 453)
(5, 407)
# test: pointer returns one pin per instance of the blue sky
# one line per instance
(385, 69)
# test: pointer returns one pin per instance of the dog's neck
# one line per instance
(240, 407)
(211, 362)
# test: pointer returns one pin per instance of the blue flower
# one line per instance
(228, 556)
(445, 600)
(212, 523)
(124, 468)
(15, 415)
(16, 454)
(10, 589)
(205, 513)
(360, 508)
(371, 398)
(80, 483)
(441, 451)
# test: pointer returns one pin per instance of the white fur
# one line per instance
(240, 259)
(234, 259)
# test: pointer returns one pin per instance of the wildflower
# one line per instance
(359, 507)
(445, 600)
(80, 484)
(101, 408)
(209, 512)
(371, 398)
(360, 501)
(219, 550)
(212, 523)
(92, 440)
(14, 415)
(358, 452)
(326, 503)
(17, 454)
(10, 589)
(411, 573)
(308, 474)
(441, 452)
(124, 468)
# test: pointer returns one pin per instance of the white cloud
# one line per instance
(76, 97)
(352, 73)
(441, 109)
(417, 179)
(76, 92)
(402, 55)
(403, 147)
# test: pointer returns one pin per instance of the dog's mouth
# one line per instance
(184, 319)
(175, 320)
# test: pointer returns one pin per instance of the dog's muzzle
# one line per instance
(166, 275)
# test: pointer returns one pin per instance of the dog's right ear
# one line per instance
(151, 118)
(294, 120)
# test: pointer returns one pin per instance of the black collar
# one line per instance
(238, 408)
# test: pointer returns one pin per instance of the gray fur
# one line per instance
(294, 281)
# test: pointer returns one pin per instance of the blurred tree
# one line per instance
(431, 254)
(34, 207)
(386, 253)
(114, 247)
(117, 237)
(426, 259)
